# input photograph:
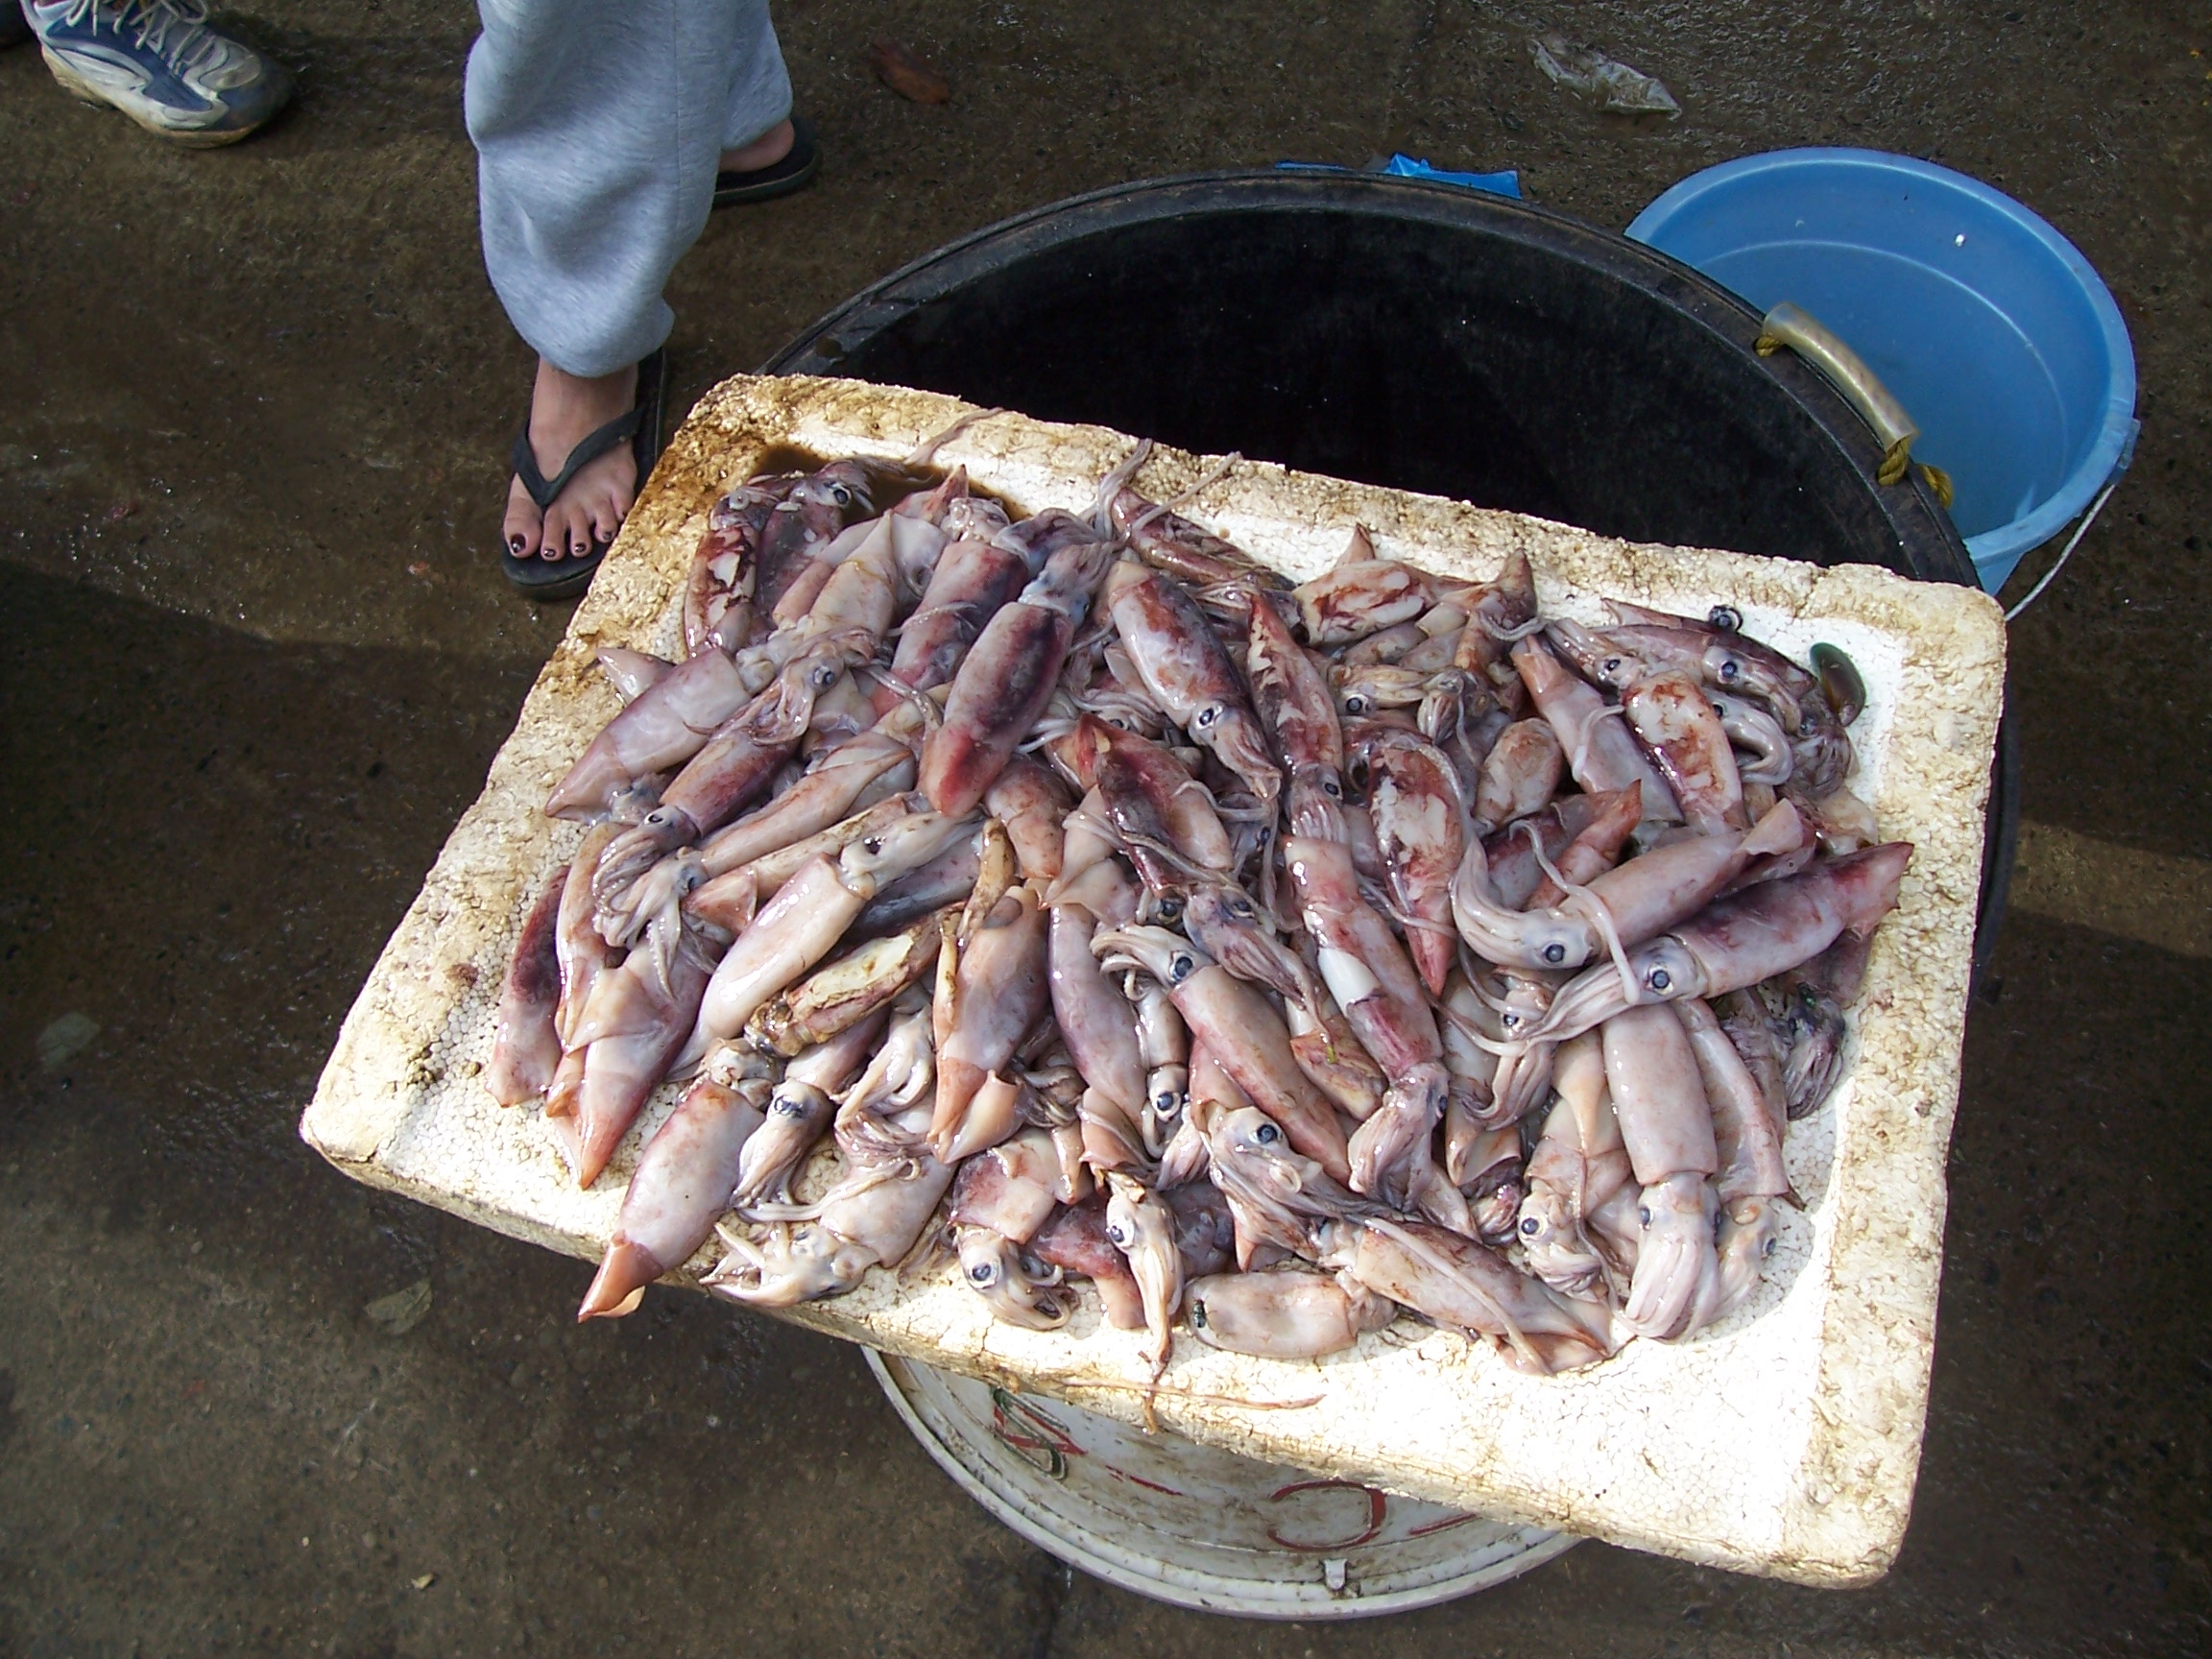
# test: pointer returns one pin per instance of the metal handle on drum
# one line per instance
(1820, 346)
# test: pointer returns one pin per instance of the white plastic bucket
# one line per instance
(1185, 1524)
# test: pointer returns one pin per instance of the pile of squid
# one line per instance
(1277, 958)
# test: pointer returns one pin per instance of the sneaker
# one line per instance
(161, 63)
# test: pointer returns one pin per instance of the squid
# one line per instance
(1728, 661)
(810, 912)
(1683, 732)
(1075, 1240)
(719, 588)
(799, 1112)
(1000, 987)
(1143, 1228)
(1031, 803)
(873, 1215)
(1162, 816)
(733, 896)
(1284, 1313)
(1464, 1286)
(1500, 613)
(631, 673)
(1601, 752)
(1621, 906)
(1245, 1036)
(1361, 595)
(976, 577)
(662, 726)
(1170, 542)
(1368, 973)
(681, 1186)
(1292, 697)
(1666, 1126)
(1095, 1019)
(525, 1039)
(625, 1038)
(1595, 848)
(1739, 940)
(1751, 1179)
(1577, 1168)
(1008, 675)
(1187, 673)
(1422, 830)
(1001, 1198)
(848, 992)
(1223, 922)
(1521, 772)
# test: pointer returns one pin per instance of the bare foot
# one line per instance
(765, 151)
(565, 409)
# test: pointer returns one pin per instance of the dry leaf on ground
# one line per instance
(907, 73)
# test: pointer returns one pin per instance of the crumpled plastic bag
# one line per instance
(1609, 85)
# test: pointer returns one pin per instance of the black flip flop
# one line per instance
(565, 577)
(800, 163)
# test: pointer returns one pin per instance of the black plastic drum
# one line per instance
(1419, 336)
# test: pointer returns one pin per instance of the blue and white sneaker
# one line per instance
(162, 65)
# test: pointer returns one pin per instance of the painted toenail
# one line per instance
(515, 546)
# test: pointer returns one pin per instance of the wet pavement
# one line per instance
(258, 657)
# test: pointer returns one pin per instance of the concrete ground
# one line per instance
(257, 654)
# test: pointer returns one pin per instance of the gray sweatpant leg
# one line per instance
(598, 124)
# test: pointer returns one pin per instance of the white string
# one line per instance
(2075, 540)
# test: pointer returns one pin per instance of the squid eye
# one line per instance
(1196, 1315)
(1727, 617)
(1046, 1306)
(1659, 979)
(872, 845)
(1118, 1233)
(1766, 1247)
(1612, 665)
(1207, 716)
(983, 1273)
(1180, 967)
(1266, 1134)
(840, 495)
(1731, 670)
(1167, 1103)
(1240, 908)
(823, 678)
(1355, 703)
(1644, 1214)
(1169, 910)
(1332, 788)
(1555, 953)
(1530, 1226)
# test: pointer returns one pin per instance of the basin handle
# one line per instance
(1820, 346)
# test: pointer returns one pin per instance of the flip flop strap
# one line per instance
(619, 430)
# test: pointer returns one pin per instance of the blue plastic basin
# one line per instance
(1990, 328)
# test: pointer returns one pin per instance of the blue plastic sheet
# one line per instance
(1404, 166)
